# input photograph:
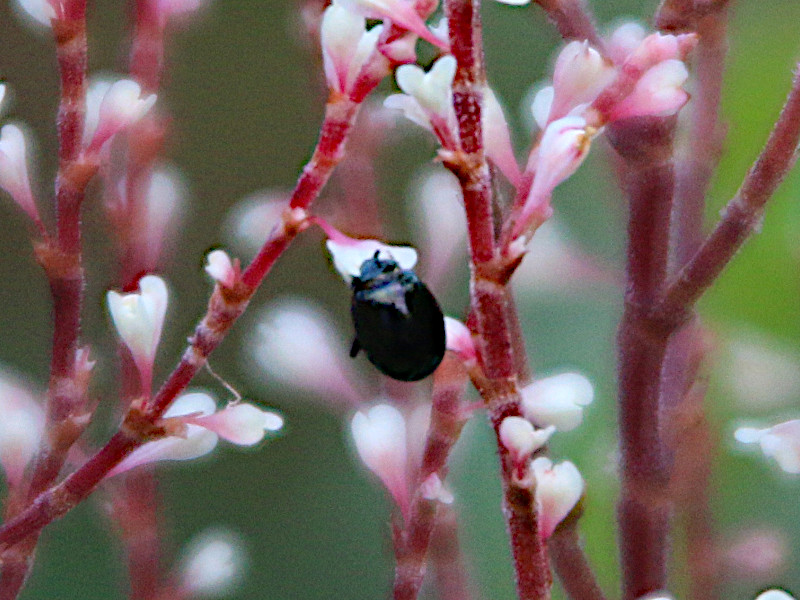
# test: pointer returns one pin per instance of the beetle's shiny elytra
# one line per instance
(398, 322)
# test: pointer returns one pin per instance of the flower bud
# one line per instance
(120, 107)
(222, 269)
(139, 318)
(380, 438)
(557, 400)
(658, 93)
(346, 46)
(521, 440)
(579, 75)
(162, 211)
(497, 137)
(458, 339)
(433, 489)
(558, 489)
(242, 423)
(14, 170)
(624, 40)
(251, 220)
(781, 442)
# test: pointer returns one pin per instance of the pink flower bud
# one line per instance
(213, 565)
(14, 170)
(346, 46)
(399, 12)
(557, 400)
(138, 318)
(521, 440)
(295, 344)
(458, 339)
(781, 442)
(433, 489)
(579, 75)
(222, 269)
(120, 107)
(497, 137)
(21, 426)
(558, 489)
(380, 438)
(241, 423)
(659, 93)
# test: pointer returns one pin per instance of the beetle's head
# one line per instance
(375, 271)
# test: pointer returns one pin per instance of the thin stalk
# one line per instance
(574, 21)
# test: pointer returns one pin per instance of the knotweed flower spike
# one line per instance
(781, 442)
(139, 318)
(558, 400)
(379, 434)
(558, 489)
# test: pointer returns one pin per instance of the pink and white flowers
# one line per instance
(557, 400)
(121, 105)
(14, 177)
(558, 489)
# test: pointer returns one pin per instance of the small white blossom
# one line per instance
(163, 208)
(213, 564)
(781, 442)
(557, 400)
(14, 177)
(380, 438)
(349, 254)
(433, 489)
(346, 46)
(21, 426)
(221, 268)
(458, 339)
(400, 12)
(121, 106)
(521, 440)
(433, 90)
(242, 423)
(41, 11)
(558, 489)
(139, 318)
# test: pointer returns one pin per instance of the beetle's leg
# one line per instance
(355, 348)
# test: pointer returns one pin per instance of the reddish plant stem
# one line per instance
(645, 146)
(742, 215)
(489, 295)
(571, 563)
(573, 20)
(448, 417)
(225, 306)
(450, 573)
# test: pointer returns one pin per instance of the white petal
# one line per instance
(242, 423)
(41, 10)
(410, 108)
(774, 595)
(542, 103)
(558, 489)
(350, 254)
(220, 268)
(557, 400)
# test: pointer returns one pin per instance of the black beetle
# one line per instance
(398, 322)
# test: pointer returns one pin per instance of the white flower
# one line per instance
(242, 423)
(163, 207)
(521, 439)
(349, 253)
(781, 442)
(295, 344)
(458, 339)
(42, 11)
(380, 438)
(433, 90)
(558, 489)
(221, 268)
(433, 489)
(121, 106)
(139, 318)
(14, 170)
(212, 565)
(346, 46)
(557, 400)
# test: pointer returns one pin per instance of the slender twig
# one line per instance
(448, 416)
(452, 581)
(742, 215)
(574, 21)
(489, 298)
(646, 147)
(571, 563)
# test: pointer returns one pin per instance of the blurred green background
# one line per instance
(244, 95)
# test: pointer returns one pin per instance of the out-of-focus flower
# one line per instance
(162, 211)
(240, 423)
(14, 170)
(658, 93)
(380, 438)
(349, 253)
(774, 595)
(42, 11)
(21, 426)
(781, 442)
(121, 106)
(400, 12)
(179, 8)
(623, 40)
(514, 2)
(139, 318)
(433, 489)
(249, 223)
(295, 344)
(557, 400)
(2, 96)
(427, 98)
(521, 440)
(221, 268)
(346, 46)
(761, 372)
(558, 489)
(442, 226)
(458, 339)
(497, 137)
(755, 554)
(213, 564)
